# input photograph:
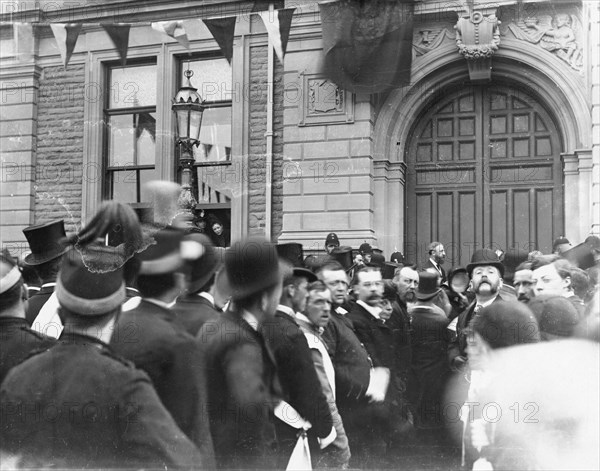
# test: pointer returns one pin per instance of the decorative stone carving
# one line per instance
(426, 40)
(560, 34)
(477, 38)
(324, 102)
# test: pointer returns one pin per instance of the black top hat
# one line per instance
(92, 287)
(292, 252)
(581, 255)
(251, 266)
(428, 286)
(46, 241)
(485, 257)
(203, 257)
(332, 239)
(388, 270)
(343, 255)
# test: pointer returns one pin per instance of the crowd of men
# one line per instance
(129, 345)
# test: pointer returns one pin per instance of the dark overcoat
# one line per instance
(78, 405)
(193, 311)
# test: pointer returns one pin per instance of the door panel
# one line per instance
(483, 170)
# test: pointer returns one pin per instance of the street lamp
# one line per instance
(188, 106)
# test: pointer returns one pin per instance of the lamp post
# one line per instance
(188, 106)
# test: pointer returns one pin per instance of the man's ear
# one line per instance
(567, 282)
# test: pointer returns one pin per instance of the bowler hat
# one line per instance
(581, 255)
(92, 287)
(293, 253)
(485, 257)
(332, 239)
(251, 266)
(428, 286)
(203, 257)
(377, 260)
(556, 315)
(164, 255)
(46, 241)
(343, 255)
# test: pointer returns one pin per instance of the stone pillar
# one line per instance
(389, 179)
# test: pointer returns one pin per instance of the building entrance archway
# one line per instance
(483, 170)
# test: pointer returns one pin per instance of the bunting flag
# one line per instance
(66, 36)
(278, 24)
(119, 34)
(367, 46)
(223, 30)
(173, 29)
(23, 40)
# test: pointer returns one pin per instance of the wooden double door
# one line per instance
(483, 170)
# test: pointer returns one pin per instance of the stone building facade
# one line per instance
(499, 151)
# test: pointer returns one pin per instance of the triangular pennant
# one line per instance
(173, 29)
(285, 24)
(223, 30)
(23, 40)
(66, 37)
(119, 34)
(271, 21)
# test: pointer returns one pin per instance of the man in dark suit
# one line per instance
(197, 305)
(47, 243)
(153, 339)
(299, 382)
(437, 256)
(17, 339)
(240, 370)
(77, 404)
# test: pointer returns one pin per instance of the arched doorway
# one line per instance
(483, 170)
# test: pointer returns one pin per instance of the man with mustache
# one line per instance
(486, 271)
(524, 282)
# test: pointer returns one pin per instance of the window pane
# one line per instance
(145, 177)
(216, 184)
(211, 77)
(215, 136)
(127, 131)
(132, 86)
(124, 186)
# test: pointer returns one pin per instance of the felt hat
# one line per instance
(485, 257)
(46, 241)
(562, 240)
(377, 260)
(343, 255)
(93, 286)
(294, 254)
(251, 266)
(581, 256)
(428, 286)
(513, 257)
(164, 255)
(594, 242)
(332, 239)
(556, 315)
(506, 323)
(202, 257)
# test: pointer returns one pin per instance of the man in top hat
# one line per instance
(371, 434)
(151, 336)
(437, 256)
(429, 341)
(486, 271)
(240, 369)
(299, 382)
(197, 305)
(47, 244)
(18, 340)
(331, 242)
(78, 404)
(553, 276)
